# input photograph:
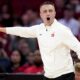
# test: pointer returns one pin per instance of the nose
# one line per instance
(48, 13)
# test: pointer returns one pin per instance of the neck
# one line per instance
(48, 24)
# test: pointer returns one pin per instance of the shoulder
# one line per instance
(64, 30)
(62, 27)
(38, 26)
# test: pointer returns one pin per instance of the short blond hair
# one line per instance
(47, 3)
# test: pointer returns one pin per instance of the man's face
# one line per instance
(47, 11)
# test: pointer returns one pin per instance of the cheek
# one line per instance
(53, 14)
(43, 16)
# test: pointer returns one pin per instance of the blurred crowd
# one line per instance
(20, 55)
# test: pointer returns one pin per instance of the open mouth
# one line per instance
(48, 18)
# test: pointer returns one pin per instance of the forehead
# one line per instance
(47, 7)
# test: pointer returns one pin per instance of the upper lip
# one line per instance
(48, 17)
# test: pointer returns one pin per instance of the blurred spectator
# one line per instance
(33, 17)
(6, 16)
(30, 58)
(76, 5)
(17, 21)
(74, 2)
(59, 5)
(3, 40)
(6, 41)
(4, 60)
(23, 47)
(2, 51)
(2, 70)
(25, 19)
(30, 42)
(29, 62)
(70, 21)
(37, 68)
(17, 60)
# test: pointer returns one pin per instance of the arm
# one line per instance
(4, 53)
(28, 32)
(71, 41)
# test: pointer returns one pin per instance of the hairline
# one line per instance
(46, 4)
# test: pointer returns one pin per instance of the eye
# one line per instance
(50, 10)
(44, 11)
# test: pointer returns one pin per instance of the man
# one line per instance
(55, 42)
